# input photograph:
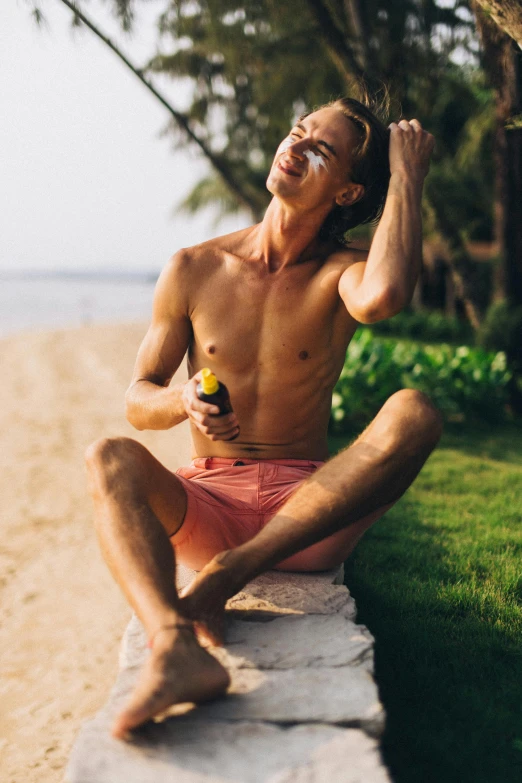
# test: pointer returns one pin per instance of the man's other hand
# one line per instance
(410, 149)
(206, 417)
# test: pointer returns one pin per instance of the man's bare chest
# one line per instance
(242, 323)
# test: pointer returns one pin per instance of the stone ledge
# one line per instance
(302, 707)
(197, 751)
(291, 642)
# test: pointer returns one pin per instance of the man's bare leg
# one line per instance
(349, 490)
(132, 492)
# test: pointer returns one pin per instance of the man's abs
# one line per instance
(277, 420)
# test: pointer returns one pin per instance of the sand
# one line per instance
(61, 615)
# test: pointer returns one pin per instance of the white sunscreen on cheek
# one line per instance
(285, 144)
(316, 161)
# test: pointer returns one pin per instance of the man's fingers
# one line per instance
(406, 125)
(198, 417)
(218, 422)
(192, 401)
(213, 429)
(207, 417)
(221, 435)
(214, 424)
(203, 407)
(225, 435)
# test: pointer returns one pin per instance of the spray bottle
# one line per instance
(210, 390)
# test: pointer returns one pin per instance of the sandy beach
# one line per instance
(61, 615)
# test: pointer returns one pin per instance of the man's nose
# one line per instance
(297, 149)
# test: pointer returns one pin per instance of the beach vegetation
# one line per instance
(467, 384)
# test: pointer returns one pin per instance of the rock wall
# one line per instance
(302, 707)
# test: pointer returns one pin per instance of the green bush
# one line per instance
(426, 326)
(466, 384)
(502, 329)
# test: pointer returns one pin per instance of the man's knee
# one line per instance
(112, 462)
(415, 421)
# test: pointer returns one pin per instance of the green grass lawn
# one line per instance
(438, 581)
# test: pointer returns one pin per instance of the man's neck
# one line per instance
(287, 235)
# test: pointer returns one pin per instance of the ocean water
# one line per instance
(53, 301)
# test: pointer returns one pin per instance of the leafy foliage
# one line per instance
(464, 383)
(249, 65)
(255, 65)
(431, 326)
(462, 172)
(210, 191)
(502, 329)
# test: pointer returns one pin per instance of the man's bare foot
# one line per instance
(178, 670)
(205, 598)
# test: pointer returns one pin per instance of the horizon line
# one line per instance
(116, 272)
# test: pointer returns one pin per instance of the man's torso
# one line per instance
(276, 339)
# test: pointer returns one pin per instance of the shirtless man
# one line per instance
(271, 310)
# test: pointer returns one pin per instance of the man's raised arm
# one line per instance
(383, 285)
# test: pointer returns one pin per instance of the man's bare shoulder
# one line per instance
(227, 243)
(204, 257)
(210, 251)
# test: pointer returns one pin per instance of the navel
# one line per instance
(304, 355)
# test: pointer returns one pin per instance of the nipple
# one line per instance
(304, 355)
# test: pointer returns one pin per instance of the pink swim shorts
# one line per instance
(230, 500)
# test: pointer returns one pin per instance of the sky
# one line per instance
(86, 183)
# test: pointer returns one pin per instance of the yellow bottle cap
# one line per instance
(209, 382)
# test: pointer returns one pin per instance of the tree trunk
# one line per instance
(464, 272)
(335, 41)
(503, 66)
(507, 14)
(354, 11)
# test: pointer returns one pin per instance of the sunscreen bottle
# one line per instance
(210, 390)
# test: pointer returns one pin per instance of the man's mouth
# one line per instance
(289, 169)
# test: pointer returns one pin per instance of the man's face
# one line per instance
(311, 166)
